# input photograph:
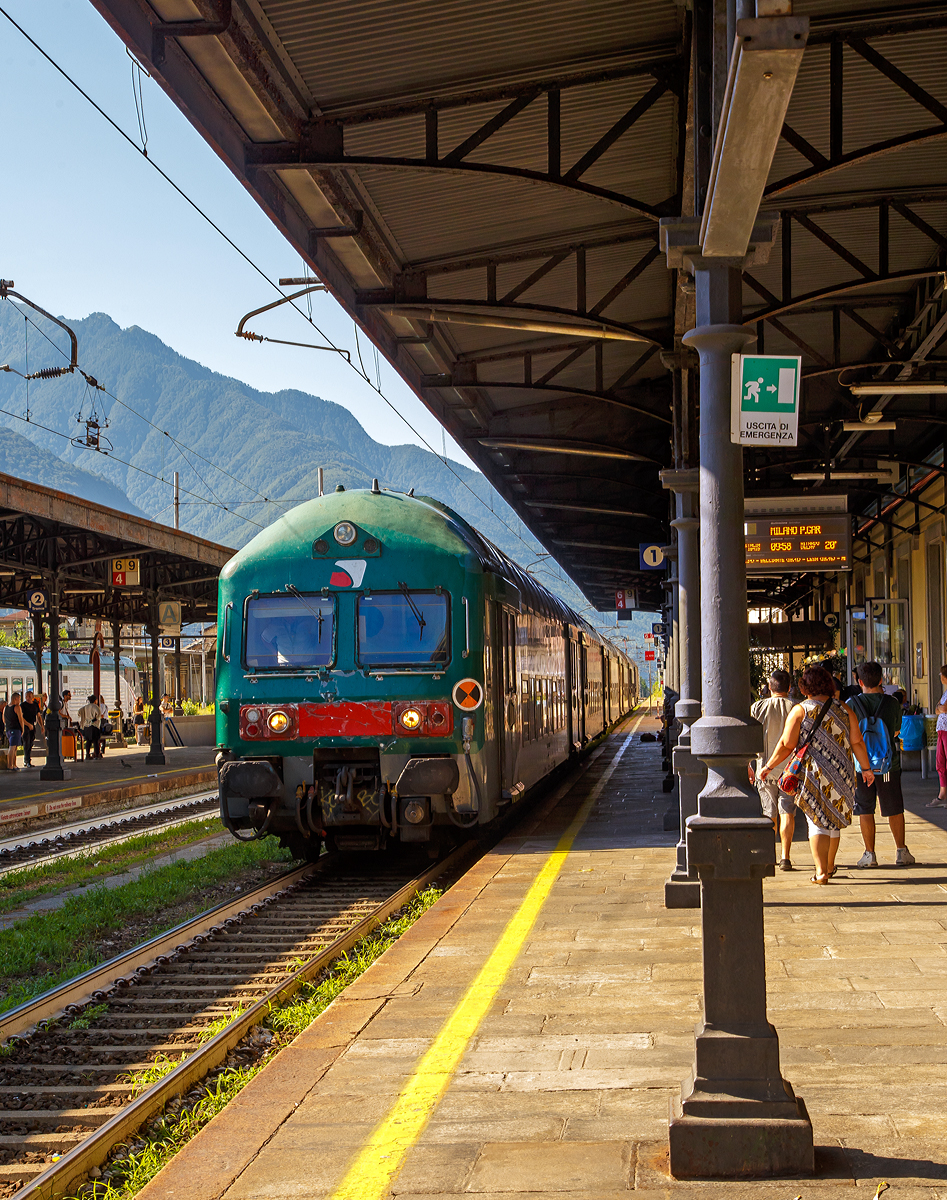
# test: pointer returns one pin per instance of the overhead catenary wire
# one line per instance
(130, 465)
(181, 446)
(90, 380)
(250, 262)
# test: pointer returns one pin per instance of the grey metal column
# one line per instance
(116, 662)
(682, 889)
(155, 755)
(53, 769)
(737, 1116)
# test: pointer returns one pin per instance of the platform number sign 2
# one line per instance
(37, 600)
(125, 572)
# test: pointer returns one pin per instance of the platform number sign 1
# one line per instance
(764, 392)
(125, 572)
(651, 556)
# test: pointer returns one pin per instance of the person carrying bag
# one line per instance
(822, 734)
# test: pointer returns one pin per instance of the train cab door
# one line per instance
(576, 691)
(508, 707)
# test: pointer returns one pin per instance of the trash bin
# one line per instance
(913, 733)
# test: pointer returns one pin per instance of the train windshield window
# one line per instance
(403, 629)
(286, 632)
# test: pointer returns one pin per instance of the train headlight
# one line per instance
(252, 715)
(414, 812)
(345, 533)
(411, 718)
(278, 721)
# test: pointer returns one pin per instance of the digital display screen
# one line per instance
(803, 542)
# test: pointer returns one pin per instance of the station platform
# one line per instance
(121, 775)
(527, 1033)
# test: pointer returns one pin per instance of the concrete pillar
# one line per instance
(682, 889)
(53, 770)
(736, 1116)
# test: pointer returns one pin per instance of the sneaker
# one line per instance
(905, 858)
(868, 859)
(784, 864)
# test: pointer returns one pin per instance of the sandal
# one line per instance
(822, 880)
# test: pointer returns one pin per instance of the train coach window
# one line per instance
(403, 629)
(287, 632)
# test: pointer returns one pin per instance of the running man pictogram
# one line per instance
(468, 694)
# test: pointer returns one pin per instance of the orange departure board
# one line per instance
(803, 542)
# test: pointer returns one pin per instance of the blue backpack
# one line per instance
(876, 735)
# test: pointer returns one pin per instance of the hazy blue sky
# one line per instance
(86, 225)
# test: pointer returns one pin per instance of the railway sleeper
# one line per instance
(89, 1118)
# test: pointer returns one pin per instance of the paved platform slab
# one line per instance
(563, 1087)
(121, 775)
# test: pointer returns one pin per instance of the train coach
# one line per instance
(386, 676)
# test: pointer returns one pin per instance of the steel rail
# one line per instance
(98, 837)
(76, 1164)
(82, 988)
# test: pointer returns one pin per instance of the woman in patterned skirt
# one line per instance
(827, 787)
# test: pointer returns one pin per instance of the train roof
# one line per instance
(12, 659)
(409, 519)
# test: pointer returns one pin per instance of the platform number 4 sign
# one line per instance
(125, 572)
(765, 399)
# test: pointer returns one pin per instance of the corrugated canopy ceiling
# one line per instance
(480, 184)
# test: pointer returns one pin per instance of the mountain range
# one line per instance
(244, 455)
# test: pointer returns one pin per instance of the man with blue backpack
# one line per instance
(879, 719)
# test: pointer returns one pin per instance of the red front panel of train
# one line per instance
(357, 718)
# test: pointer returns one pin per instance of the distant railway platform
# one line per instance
(120, 776)
(488, 1055)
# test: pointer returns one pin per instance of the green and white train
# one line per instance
(386, 675)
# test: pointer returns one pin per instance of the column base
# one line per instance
(55, 774)
(155, 760)
(741, 1146)
(681, 892)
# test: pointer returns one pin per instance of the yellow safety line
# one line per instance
(383, 1156)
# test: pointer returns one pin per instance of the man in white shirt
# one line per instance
(771, 714)
(89, 723)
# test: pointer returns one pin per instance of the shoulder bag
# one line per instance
(792, 776)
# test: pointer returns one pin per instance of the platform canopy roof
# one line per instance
(481, 185)
(47, 535)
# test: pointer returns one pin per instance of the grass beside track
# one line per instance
(141, 1159)
(48, 948)
(69, 871)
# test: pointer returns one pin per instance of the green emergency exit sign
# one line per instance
(765, 399)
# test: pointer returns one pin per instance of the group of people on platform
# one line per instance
(845, 761)
(23, 719)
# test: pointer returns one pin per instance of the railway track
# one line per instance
(17, 853)
(65, 1099)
